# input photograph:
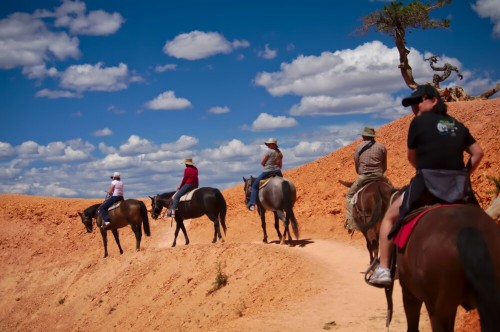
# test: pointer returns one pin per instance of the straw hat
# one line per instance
(188, 161)
(271, 141)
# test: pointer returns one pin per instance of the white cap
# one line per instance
(115, 175)
(272, 141)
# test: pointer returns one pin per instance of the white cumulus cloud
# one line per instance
(168, 101)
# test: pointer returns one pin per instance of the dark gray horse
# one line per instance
(278, 195)
(130, 212)
(205, 201)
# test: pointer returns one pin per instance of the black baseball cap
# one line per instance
(421, 90)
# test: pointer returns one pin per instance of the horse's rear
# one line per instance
(371, 204)
(452, 258)
(279, 195)
(130, 212)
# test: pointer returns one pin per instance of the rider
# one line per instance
(115, 194)
(370, 161)
(272, 161)
(188, 183)
(436, 143)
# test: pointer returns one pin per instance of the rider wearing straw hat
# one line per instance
(272, 161)
(188, 183)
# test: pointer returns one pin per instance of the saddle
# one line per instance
(115, 205)
(409, 223)
(264, 181)
(188, 196)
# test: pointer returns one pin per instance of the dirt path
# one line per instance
(345, 303)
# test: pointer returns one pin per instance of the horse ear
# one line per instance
(244, 180)
(79, 213)
(150, 197)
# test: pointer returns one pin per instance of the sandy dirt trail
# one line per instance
(345, 302)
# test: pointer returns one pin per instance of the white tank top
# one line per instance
(118, 188)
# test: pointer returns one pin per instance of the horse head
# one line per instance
(159, 202)
(247, 188)
(87, 221)
(156, 207)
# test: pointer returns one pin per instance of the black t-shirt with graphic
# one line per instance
(439, 141)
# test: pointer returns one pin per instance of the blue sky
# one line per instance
(93, 87)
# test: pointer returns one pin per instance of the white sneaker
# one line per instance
(381, 277)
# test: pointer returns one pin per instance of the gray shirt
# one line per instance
(273, 160)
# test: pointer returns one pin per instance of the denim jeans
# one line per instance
(256, 183)
(103, 209)
(184, 189)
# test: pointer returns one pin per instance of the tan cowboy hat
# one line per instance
(368, 132)
(188, 161)
(271, 141)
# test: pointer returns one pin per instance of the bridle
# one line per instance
(87, 221)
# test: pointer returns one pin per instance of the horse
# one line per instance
(368, 211)
(278, 195)
(451, 258)
(205, 201)
(130, 212)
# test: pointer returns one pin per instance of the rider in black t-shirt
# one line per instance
(436, 145)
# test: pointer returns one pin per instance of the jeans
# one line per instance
(256, 183)
(184, 189)
(103, 209)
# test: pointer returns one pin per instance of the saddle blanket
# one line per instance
(405, 231)
(115, 205)
(265, 181)
(188, 195)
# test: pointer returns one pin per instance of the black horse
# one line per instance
(130, 212)
(205, 201)
(278, 195)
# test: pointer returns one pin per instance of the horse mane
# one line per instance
(91, 211)
(167, 194)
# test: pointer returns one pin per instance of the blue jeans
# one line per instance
(184, 189)
(103, 209)
(256, 182)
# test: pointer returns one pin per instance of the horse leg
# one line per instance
(217, 232)
(281, 215)
(104, 236)
(262, 214)
(442, 319)
(180, 226)
(277, 226)
(369, 247)
(412, 307)
(136, 228)
(117, 240)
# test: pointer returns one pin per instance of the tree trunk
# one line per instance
(404, 65)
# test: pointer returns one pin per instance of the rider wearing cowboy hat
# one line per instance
(272, 161)
(188, 183)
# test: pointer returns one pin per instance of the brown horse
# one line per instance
(367, 213)
(452, 258)
(205, 201)
(279, 196)
(130, 212)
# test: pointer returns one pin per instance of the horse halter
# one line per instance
(156, 209)
(87, 221)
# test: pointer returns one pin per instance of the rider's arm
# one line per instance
(111, 190)
(412, 157)
(264, 160)
(476, 154)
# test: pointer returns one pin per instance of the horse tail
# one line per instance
(145, 218)
(287, 200)
(223, 209)
(478, 268)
